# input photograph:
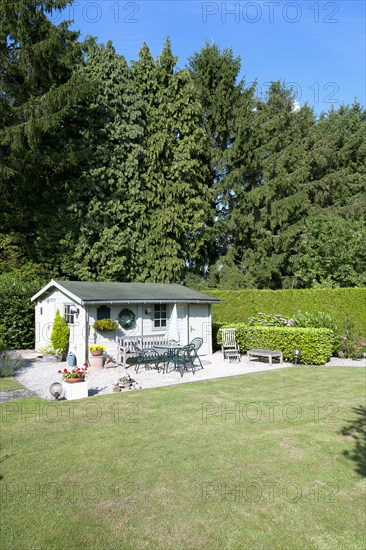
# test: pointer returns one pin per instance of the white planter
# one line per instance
(75, 391)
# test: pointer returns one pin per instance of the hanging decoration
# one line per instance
(126, 318)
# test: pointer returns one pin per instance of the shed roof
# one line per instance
(101, 292)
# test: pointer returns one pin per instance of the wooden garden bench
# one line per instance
(265, 353)
(125, 345)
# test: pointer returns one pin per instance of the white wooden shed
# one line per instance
(151, 306)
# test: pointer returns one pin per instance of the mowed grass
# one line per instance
(9, 383)
(254, 462)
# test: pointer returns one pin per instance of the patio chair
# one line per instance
(183, 360)
(197, 343)
(229, 346)
(146, 357)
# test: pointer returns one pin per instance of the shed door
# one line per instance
(47, 318)
(199, 325)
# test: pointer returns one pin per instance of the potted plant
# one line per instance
(77, 374)
(105, 325)
(96, 350)
(60, 333)
(51, 354)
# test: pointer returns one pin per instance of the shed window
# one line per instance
(159, 315)
(69, 313)
(103, 312)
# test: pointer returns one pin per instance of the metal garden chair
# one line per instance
(183, 360)
(146, 357)
(229, 345)
(197, 343)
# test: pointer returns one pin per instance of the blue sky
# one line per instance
(317, 46)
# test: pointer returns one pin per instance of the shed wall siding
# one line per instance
(44, 322)
(193, 320)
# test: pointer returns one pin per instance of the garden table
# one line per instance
(167, 353)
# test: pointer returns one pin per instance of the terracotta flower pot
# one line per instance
(74, 380)
(96, 352)
(96, 362)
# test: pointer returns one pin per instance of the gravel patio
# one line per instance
(37, 375)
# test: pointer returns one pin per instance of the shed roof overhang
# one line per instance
(95, 293)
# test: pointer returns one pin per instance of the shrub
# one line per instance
(103, 325)
(239, 305)
(315, 343)
(9, 363)
(359, 349)
(60, 333)
(17, 310)
(268, 320)
(348, 347)
(320, 319)
(2, 341)
(50, 350)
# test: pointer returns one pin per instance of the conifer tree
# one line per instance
(60, 333)
(39, 86)
(231, 140)
(105, 204)
(173, 227)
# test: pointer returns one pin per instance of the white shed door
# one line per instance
(199, 325)
(49, 312)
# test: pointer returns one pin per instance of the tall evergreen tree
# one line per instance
(266, 217)
(105, 204)
(173, 227)
(231, 139)
(39, 86)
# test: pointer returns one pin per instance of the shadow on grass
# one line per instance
(357, 430)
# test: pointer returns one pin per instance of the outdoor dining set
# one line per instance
(182, 358)
(166, 355)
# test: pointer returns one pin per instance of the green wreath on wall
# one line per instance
(126, 318)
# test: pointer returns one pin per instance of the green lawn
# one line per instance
(9, 383)
(254, 462)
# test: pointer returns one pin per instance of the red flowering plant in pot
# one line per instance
(77, 374)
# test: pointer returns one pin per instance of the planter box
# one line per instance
(52, 358)
(75, 391)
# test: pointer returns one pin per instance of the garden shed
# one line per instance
(140, 309)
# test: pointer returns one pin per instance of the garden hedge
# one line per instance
(239, 305)
(17, 311)
(315, 343)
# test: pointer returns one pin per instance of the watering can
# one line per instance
(71, 359)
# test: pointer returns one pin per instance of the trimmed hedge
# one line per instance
(315, 343)
(239, 305)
